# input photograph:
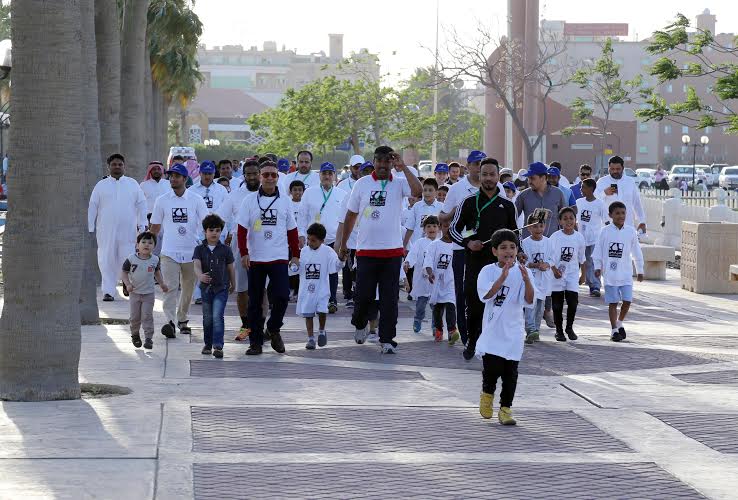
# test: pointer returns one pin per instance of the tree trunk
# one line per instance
(163, 131)
(157, 146)
(107, 37)
(92, 168)
(149, 107)
(39, 328)
(184, 135)
(132, 94)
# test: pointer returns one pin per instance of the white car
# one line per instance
(185, 152)
(711, 174)
(686, 172)
(715, 168)
(425, 168)
(729, 177)
(645, 178)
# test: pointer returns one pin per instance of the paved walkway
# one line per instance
(654, 417)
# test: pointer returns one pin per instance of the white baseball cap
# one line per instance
(356, 159)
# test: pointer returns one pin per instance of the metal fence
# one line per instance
(694, 198)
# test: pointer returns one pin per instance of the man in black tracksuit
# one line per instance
(474, 222)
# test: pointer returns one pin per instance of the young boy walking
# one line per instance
(505, 288)
(317, 263)
(567, 260)
(216, 274)
(590, 217)
(416, 256)
(538, 250)
(297, 189)
(437, 263)
(616, 247)
(139, 271)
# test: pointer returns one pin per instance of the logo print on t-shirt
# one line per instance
(615, 251)
(269, 217)
(378, 198)
(375, 214)
(182, 230)
(311, 287)
(422, 219)
(179, 215)
(312, 271)
(567, 253)
(501, 295)
(267, 235)
(538, 257)
(444, 260)
(586, 215)
(208, 201)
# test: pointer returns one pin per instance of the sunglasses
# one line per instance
(268, 175)
(585, 174)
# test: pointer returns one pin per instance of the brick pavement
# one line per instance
(718, 431)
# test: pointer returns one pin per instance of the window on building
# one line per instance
(707, 149)
(684, 149)
(667, 150)
(670, 88)
(667, 129)
(642, 127)
(685, 129)
(617, 106)
(684, 87)
(195, 134)
(708, 130)
(554, 146)
(642, 149)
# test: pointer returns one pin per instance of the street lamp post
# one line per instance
(704, 140)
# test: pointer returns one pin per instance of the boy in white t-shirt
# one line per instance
(317, 263)
(537, 248)
(297, 189)
(506, 289)
(567, 260)
(591, 215)
(616, 246)
(415, 258)
(438, 266)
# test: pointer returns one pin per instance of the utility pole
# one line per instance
(434, 147)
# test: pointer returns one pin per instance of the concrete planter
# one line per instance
(708, 251)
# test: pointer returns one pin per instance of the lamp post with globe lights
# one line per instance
(704, 140)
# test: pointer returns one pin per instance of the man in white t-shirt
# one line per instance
(303, 173)
(619, 187)
(178, 216)
(322, 204)
(377, 200)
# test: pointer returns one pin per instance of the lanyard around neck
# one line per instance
(479, 210)
(258, 202)
(325, 198)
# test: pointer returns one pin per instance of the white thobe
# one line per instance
(152, 190)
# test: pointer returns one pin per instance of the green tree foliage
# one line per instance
(702, 57)
(4, 21)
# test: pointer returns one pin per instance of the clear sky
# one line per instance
(402, 32)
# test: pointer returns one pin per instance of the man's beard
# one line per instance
(157, 178)
(617, 176)
(489, 186)
(252, 186)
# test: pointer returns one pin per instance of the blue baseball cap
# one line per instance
(537, 168)
(475, 156)
(441, 167)
(207, 167)
(367, 164)
(554, 171)
(510, 185)
(327, 167)
(180, 169)
(283, 165)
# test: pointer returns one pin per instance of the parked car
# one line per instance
(728, 178)
(425, 168)
(184, 151)
(645, 178)
(686, 172)
(716, 168)
(711, 175)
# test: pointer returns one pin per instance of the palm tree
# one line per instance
(132, 97)
(107, 37)
(40, 324)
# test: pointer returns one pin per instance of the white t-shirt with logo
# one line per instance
(324, 207)
(415, 259)
(590, 219)
(613, 252)
(378, 204)
(181, 222)
(567, 254)
(214, 194)
(315, 267)
(539, 251)
(267, 219)
(310, 179)
(417, 215)
(439, 257)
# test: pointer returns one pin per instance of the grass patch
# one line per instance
(96, 391)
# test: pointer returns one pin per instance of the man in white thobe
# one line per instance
(116, 213)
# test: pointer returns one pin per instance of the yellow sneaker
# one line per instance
(243, 334)
(453, 336)
(485, 404)
(505, 416)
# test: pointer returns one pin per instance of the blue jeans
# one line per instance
(533, 316)
(213, 310)
(458, 265)
(592, 281)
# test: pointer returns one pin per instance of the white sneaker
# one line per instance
(373, 338)
(388, 349)
(360, 335)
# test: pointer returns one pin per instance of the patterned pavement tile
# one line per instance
(723, 377)
(245, 369)
(715, 430)
(437, 481)
(290, 429)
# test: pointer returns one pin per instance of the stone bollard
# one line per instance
(719, 212)
(671, 216)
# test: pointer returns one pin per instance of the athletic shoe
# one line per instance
(136, 339)
(125, 290)
(536, 336)
(243, 334)
(388, 349)
(409, 297)
(184, 329)
(615, 336)
(253, 350)
(350, 304)
(322, 339)
(453, 336)
(548, 318)
(198, 302)
(108, 298)
(485, 404)
(373, 338)
(505, 416)
(621, 331)
(207, 350)
(595, 293)
(468, 354)
(148, 344)
(438, 335)
(360, 335)
(218, 352)
(570, 333)
(529, 338)
(416, 326)
(332, 307)
(560, 336)
(168, 330)
(310, 346)
(276, 341)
